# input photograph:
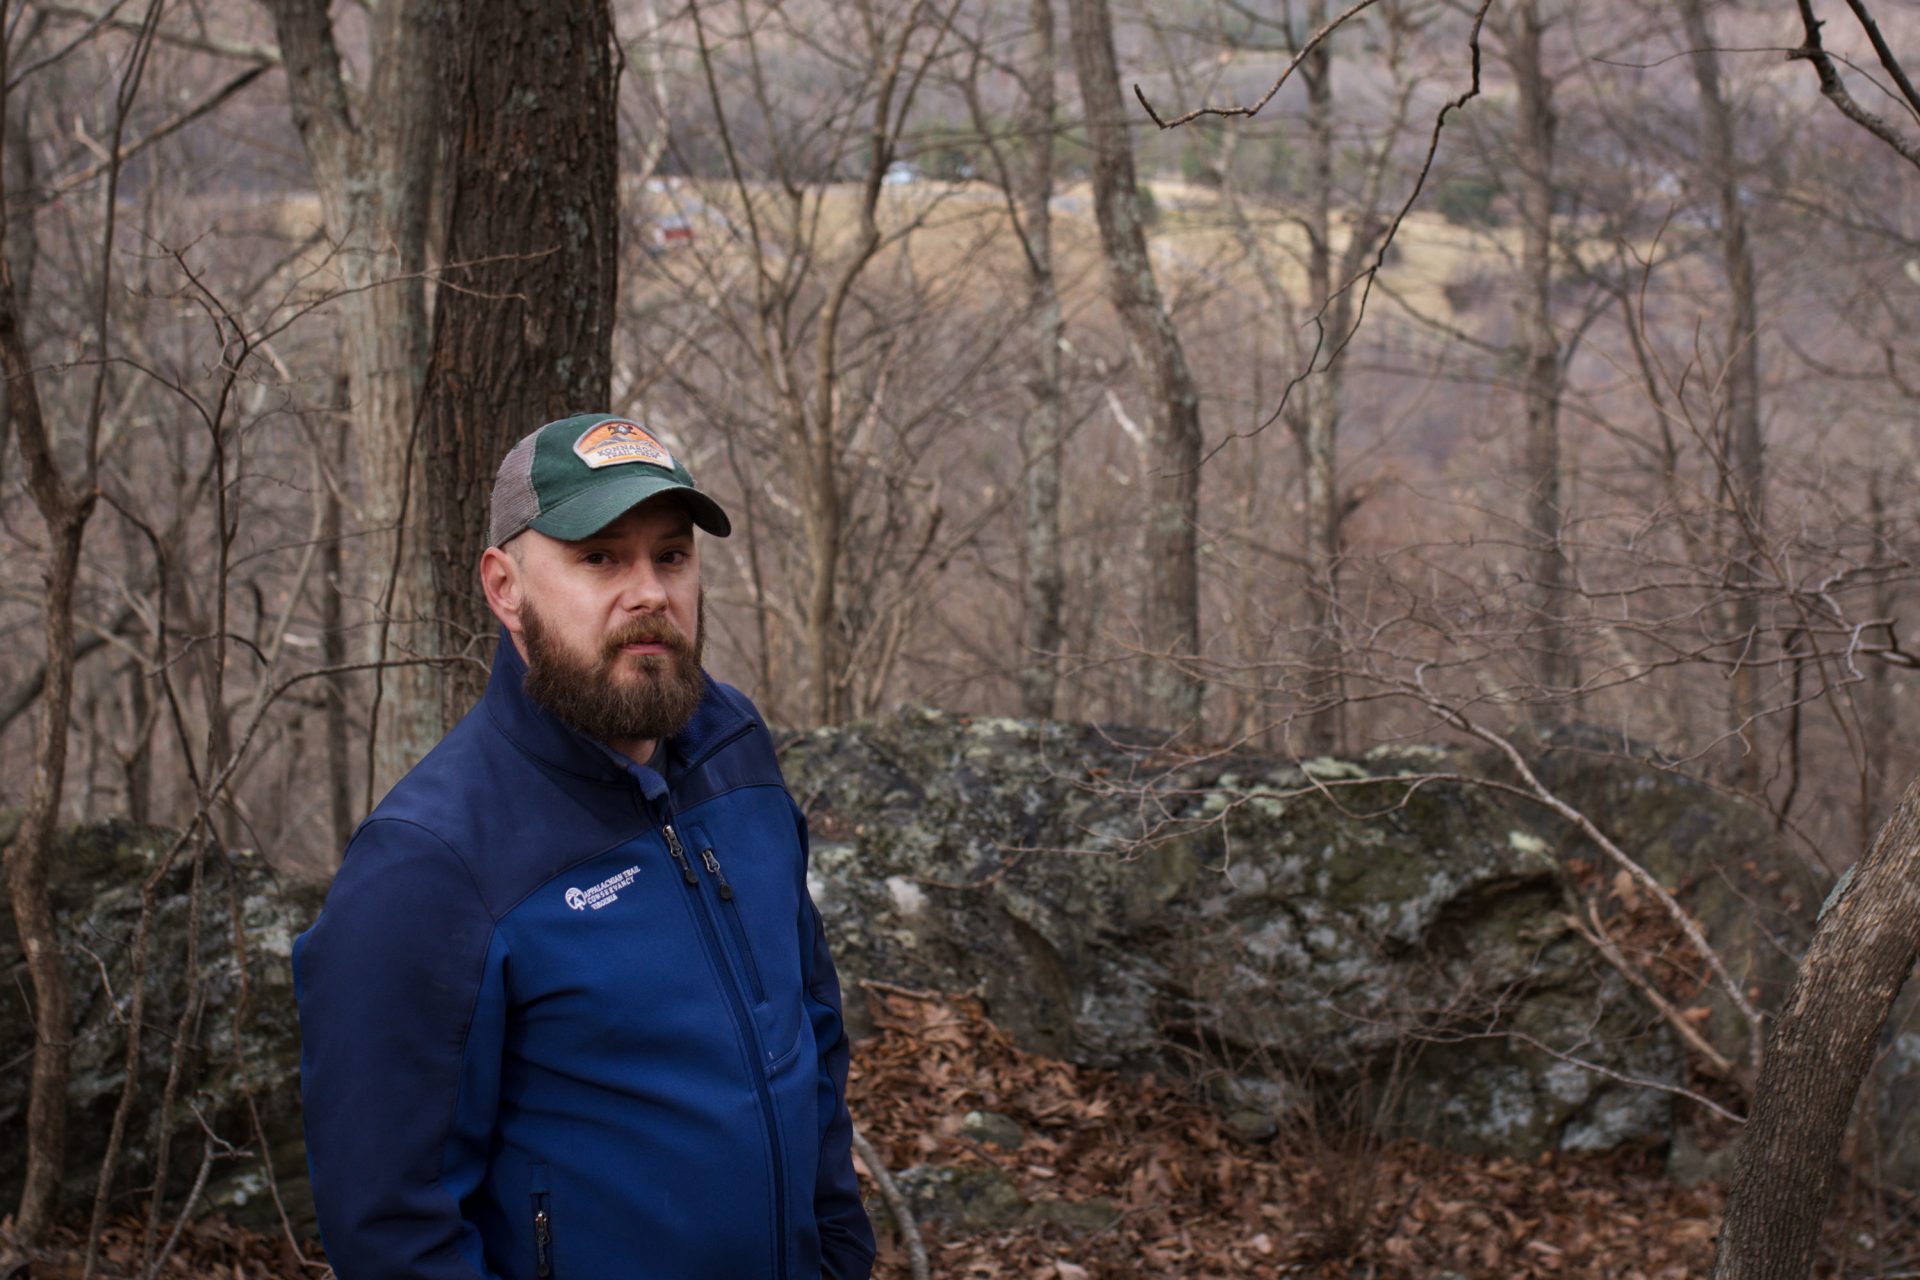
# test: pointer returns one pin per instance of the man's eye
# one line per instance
(596, 558)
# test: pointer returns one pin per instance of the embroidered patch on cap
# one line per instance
(617, 440)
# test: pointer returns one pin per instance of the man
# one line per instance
(568, 1013)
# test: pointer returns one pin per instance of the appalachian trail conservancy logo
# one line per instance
(607, 444)
(603, 894)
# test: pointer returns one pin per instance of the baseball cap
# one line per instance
(574, 477)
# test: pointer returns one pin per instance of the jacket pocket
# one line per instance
(542, 1225)
(730, 912)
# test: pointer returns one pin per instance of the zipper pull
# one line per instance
(679, 853)
(542, 1239)
(713, 865)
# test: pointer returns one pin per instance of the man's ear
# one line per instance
(501, 579)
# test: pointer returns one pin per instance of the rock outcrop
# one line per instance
(245, 1056)
(1331, 933)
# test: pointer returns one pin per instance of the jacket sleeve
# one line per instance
(401, 1017)
(846, 1235)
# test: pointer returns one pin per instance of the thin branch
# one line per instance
(1813, 51)
(1253, 109)
(896, 1204)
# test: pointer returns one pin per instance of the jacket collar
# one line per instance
(539, 733)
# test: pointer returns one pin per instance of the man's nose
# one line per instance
(642, 590)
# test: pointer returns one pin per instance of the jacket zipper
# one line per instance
(542, 1225)
(730, 911)
(743, 1016)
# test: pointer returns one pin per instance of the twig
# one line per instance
(1600, 941)
(896, 1204)
(1293, 63)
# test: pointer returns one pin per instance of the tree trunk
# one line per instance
(374, 175)
(524, 335)
(1317, 426)
(825, 528)
(1744, 468)
(1045, 591)
(1822, 1046)
(65, 513)
(1539, 353)
(333, 630)
(1171, 570)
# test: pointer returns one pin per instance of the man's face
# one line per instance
(613, 625)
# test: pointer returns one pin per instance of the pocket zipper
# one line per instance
(542, 1226)
(731, 911)
(542, 1244)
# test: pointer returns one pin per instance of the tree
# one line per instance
(1538, 354)
(66, 503)
(1170, 551)
(1823, 1043)
(1742, 465)
(523, 319)
(373, 156)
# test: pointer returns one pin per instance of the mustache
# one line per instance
(650, 631)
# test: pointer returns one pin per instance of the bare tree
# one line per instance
(1170, 565)
(373, 150)
(1743, 468)
(1823, 1044)
(66, 503)
(1538, 352)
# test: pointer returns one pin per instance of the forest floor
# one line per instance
(1121, 1179)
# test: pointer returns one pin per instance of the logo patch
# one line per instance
(603, 894)
(609, 443)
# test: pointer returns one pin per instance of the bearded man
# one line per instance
(568, 1012)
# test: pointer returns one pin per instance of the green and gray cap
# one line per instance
(576, 476)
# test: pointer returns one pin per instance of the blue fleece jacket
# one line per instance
(565, 1017)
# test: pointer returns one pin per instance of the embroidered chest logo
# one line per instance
(606, 444)
(603, 894)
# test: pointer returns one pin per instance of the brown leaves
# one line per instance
(1197, 1205)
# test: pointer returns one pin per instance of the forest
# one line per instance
(1473, 439)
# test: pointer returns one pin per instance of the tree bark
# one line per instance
(1538, 350)
(374, 174)
(1171, 570)
(1823, 1044)
(333, 627)
(1744, 466)
(1045, 587)
(523, 332)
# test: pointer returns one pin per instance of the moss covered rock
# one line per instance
(242, 1035)
(1332, 933)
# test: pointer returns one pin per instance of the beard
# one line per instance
(652, 701)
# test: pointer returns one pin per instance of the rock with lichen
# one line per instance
(1371, 944)
(242, 1057)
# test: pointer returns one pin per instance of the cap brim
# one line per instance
(594, 509)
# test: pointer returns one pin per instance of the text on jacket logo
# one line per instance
(603, 893)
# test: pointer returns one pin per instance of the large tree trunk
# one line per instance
(1539, 351)
(1745, 474)
(1170, 568)
(1823, 1044)
(1045, 588)
(374, 175)
(524, 333)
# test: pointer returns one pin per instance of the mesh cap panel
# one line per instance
(515, 504)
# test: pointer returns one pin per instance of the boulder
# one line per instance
(244, 1034)
(1326, 935)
